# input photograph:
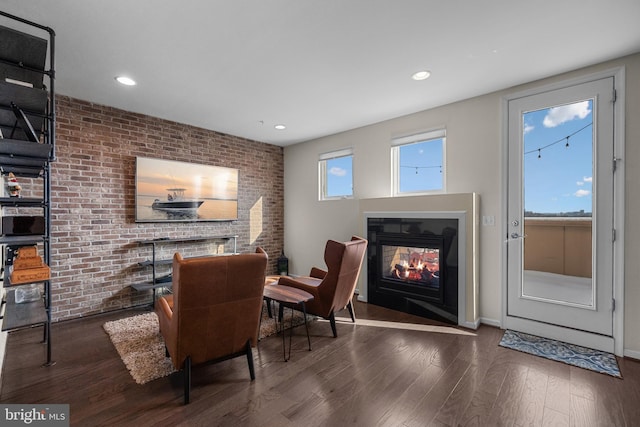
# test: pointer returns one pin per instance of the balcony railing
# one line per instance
(558, 245)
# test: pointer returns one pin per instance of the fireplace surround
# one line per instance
(465, 208)
(413, 265)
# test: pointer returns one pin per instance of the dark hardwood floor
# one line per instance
(368, 376)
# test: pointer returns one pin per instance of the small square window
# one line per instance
(419, 163)
(336, 175)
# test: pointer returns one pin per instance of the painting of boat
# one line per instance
(173, 191)
(176, 202)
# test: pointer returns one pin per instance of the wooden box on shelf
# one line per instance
(29, 267)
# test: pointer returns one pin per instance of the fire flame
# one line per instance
(420, 265)
(417, 266)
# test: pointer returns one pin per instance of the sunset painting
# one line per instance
(168, 191)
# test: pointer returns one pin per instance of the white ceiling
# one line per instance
(317, 66)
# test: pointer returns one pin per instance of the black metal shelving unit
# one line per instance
(156, 282)
(27, 148)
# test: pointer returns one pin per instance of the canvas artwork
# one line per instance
(169, 191)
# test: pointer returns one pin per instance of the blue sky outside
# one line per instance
(420, 169)
(421, 166)
(558, 178)
(340, 176)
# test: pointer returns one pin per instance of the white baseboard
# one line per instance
(491, 322)
(470, 325)
(634, 354)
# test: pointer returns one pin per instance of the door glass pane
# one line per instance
(558, 187)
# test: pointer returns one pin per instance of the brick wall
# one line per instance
(95, 253)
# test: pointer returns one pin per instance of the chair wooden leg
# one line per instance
(351, 311)
(187, 379)
(332, 320)
(252, 372)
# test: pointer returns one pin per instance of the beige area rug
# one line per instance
(141, 346)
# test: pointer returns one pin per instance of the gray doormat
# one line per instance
(587, 358)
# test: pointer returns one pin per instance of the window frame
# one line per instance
(401, 141)
(322, 173)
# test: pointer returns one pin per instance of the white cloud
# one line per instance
(585, 180)
(582, 193)
(528, 128)
(559, 115)
(337, 171)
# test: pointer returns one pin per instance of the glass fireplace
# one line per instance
(412, 266)
(418, 266)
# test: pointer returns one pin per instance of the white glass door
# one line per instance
(560, 209)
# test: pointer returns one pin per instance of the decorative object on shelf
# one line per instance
(27, 257)
(283, 265)
(12, 185)
(28, 293)
(28, 267)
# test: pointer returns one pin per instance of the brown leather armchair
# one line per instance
(333, 289)
(214, 312)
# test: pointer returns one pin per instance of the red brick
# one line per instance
(95, 254)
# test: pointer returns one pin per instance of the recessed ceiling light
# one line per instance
(421, 75)
(280, 127)
(127, 81)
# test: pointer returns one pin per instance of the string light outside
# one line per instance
(566, 138)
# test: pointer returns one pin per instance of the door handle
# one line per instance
(515, 236)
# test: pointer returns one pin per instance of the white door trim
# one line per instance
(618, 75)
